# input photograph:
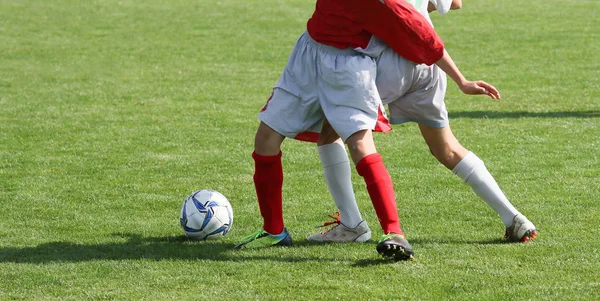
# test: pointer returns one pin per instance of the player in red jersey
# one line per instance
(331, 75)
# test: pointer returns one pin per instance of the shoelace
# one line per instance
(390, 235)
(336, 220)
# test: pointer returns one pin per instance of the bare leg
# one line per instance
(267, 142)
(444, 146)
(360, 145)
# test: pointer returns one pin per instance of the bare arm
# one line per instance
(456, 4)
(468, 87)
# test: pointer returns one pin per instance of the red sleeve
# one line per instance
(403, 28)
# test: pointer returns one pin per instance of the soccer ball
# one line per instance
(206, 214)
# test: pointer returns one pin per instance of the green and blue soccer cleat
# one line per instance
(261, 239)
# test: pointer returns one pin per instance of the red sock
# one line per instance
(381, 191)
(268, 181)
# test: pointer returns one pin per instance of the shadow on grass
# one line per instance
(137, 247)
(525, 114)
(429, 241)
(458, 241)
(367, 262)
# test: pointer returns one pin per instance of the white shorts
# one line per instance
(319, 82)
(412, 92)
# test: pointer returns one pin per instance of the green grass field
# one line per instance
(112, 112)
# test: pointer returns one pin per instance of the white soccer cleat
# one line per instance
(521, 230)
(341, 233)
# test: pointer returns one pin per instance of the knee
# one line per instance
(267, 142)
(360, 145)
(448, 155)
(443, 156)
(263, 134)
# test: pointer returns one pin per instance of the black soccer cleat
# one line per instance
(395, 246)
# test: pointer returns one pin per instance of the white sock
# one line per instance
(336, 168)
(472, 170)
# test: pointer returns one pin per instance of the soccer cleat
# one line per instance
(261, 239)
(341, 233)
(521, 230)
(395, 246)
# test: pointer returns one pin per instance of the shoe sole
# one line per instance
(365, 237)
(286, 241)
(529, 235)
(395, 251)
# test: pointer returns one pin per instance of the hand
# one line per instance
(479, 88)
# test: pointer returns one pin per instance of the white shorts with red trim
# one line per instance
(319, 82)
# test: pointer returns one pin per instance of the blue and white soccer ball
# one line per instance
(206, 214)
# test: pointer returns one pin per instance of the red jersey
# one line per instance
(351, 23)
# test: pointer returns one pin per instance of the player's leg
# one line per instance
(337, 172)
(268, 182)
(351, 103)
(349, 226)
(443, 145)
(369, 165)
(268, 177)
(465, 164)
(291, 110)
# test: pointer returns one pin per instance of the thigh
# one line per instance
(328, 134)
(267, 141)
(360, 145)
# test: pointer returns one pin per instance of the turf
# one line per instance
(112, 112)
